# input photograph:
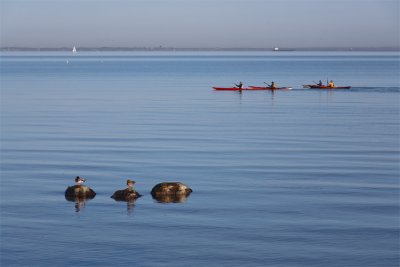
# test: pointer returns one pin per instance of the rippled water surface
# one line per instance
(287, 178)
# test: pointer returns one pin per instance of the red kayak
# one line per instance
(230, 88)
(250, 88)
(269, 88)
(313, 86)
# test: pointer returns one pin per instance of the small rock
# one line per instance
(80, 192)
(125, 195)
(168, 192)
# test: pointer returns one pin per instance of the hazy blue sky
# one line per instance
(200, 23)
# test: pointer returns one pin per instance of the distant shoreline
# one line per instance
(108, 49)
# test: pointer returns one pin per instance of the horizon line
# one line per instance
(162, 48)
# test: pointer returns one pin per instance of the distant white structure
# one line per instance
(74, 50)
(276, 48)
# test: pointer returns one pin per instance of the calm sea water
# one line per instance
(287, 178)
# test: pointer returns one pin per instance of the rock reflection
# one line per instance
(130, 205)
(79, 194)
(80, 202)
(126, 196)
(171, 198)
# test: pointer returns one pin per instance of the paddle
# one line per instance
(269, 86)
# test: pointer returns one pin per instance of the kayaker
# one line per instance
(240, 85)
(272, 85)
(331, 84)
(319, 83)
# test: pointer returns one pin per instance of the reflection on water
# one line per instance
(130, 205)
(79, 194)
(80, 202)
(171, 198)
(127, 195)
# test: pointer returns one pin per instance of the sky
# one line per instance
(200, 23)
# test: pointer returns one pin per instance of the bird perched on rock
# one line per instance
(79, 190)
(127, 194)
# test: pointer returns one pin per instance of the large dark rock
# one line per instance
(168, 192)
(125, 195)
(79, 192)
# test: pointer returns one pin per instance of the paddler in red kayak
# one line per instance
(272, 85)
(331, 84)
(240, 85)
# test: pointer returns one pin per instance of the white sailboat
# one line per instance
(74, 50)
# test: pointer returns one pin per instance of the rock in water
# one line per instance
(79, 191)
(171, 192)
(125, 195)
